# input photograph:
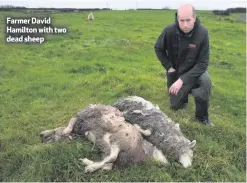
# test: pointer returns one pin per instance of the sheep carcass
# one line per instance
(105, 126)
(165, 133)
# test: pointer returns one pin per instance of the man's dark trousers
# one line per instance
(200, 89)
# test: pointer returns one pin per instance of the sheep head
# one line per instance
(55, 135)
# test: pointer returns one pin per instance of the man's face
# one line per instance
(186, 20)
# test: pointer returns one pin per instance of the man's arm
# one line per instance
(160, 50)
(201, 63)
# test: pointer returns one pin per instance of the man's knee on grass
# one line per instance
(177, 103)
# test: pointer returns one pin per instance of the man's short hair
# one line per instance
(193, 11)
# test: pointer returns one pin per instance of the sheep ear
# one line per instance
(157, 107)
(192, 144)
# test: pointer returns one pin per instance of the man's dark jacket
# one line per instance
(188, 53)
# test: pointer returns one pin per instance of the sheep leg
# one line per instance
(107, 166)
(70, 126)
(108, 159)
(91, 137)
(103, 144)
(144, 132)
(46, 133)
(159, 156)
(86, 161)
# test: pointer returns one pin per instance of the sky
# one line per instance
(126, 4)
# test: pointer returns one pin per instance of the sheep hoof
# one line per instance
(91, 168)
(86, 161)
(107, 166)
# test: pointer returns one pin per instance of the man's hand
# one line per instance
(171, 70)
(176, 87)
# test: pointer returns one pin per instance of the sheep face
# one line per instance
(56, 135)
(186, 158)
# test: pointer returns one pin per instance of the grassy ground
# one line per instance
(43, 86)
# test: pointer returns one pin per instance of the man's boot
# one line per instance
(202, 112)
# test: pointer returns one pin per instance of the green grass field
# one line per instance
(43, 86)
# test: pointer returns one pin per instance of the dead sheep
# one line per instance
(120, 142)
(165, 133)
